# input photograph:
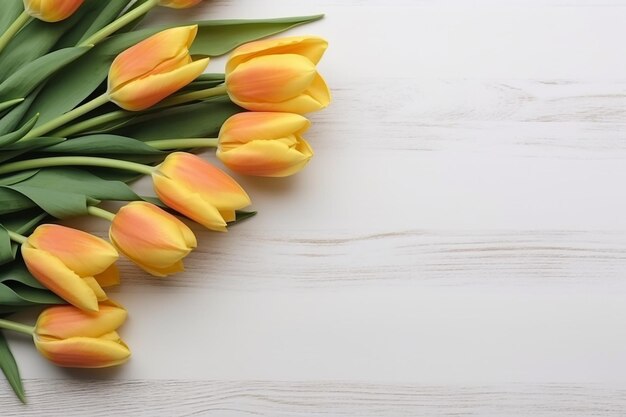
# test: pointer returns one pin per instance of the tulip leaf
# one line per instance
(100, 14)
(60, 204)
(18, 134)
(17, 177)
(6, 248)
(19, 148)
(11, 9)
(197, 120)
(103, 145)
(5, 105)
(12, 119)
(215, 37)
(10, 369)
(12, 201)
(34, 40)
(27, 78)
(241, 216)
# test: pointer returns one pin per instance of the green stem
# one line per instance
(165, 144)
(94, 122)
(15, 27)
(98, 212)
(18, 327)
(91, 161)
(116, 25)
(16, 237)
(67, 117)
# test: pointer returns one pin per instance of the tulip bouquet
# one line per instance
(89, 102)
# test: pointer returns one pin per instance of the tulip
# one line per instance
(264, 144)
(152, 238)
(200, 191)
(70, 337)
(148, 72)
(179, 4)
(71, 263)
(278, 75)
(51, 10)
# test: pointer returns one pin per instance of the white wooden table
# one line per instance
(456, 248)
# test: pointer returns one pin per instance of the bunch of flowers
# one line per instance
(88, 104)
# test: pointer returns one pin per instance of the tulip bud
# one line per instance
(51, 10)
(71, 263)
(148, 72)
(152, 238)
(264, 144)
(69, 337)
(200, 191)
(278, 75)
(179, 4)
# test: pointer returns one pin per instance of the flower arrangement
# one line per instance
(90, 102)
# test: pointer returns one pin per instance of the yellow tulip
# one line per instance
(264, 144)
(200, 191)
(51, 10)
(70, 337)
(152, 238)
(179, 4)
(71, 263)
(278, 75)
(153, 69)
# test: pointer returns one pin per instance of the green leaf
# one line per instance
(241, 216)
(34, 40)
(19, 148)
(17, 177)
(10, 103)
(103, 145)
(27, 78)
(70, 87)
(197, 120)
(59, 204)
(18, 134)
(12, 119)
(11, 9)
(6, 249)
(100, 14)
(10, 369)
(12, 201)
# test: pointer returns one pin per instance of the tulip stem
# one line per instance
(116, 25)
(166, 144)
(113, 116)
(98, 212)
(16, 237)
(91, 161)
(67, 117)
(15, 27)
(18, 327)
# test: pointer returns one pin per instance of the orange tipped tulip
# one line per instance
(200, 191)
(278, 75)
(179, 4)
(70, 337)
(152, 238)
(71, 263)
(148, 72)
(51, 10)
(264, 144)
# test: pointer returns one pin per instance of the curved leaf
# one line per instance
(12, 137)
(10, 369)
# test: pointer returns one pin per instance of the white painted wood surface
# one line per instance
(456, 248)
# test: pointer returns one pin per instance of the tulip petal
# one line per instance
(146, 92)
(245, 127)
(267, 158)
(63, 322)
(189, 203)
(57, 277)
(52, 10)
(310, 47)
(164, 271)
(152, 234)
(96, 288)
(179, 4)
(110, 277)
(143, 57)
(83, 352)
(83, 253)
(272, 78)
(190, 174)
(228, 215)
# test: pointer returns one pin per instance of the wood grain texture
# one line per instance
(457, 247)
(318, 398)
